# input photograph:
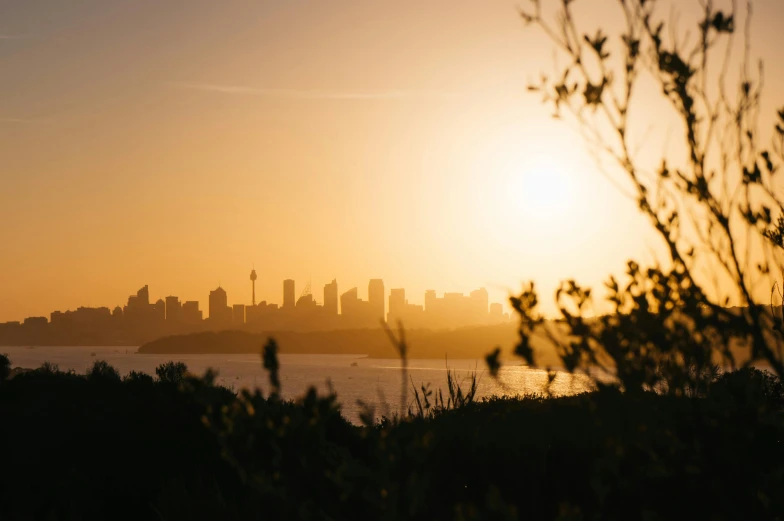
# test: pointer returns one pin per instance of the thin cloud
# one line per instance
(21, 121)
(13, 36)
(314, 94)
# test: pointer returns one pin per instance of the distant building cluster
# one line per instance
(347, 310)
(142, 320)
(138, 312)
(449, 311)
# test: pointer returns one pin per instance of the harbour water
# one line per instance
(376, 382)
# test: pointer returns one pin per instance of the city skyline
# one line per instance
(144, 318)
(389, 305)
(262, 289)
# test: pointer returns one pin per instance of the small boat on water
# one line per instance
(354, 364)
(92, 354)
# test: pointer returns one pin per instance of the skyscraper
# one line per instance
(288, 294)
(220, 312)
(331, 297)
(143, 296)
(480, 301)
(173, 309)
(191, 313)
(350, 303)
(139, 312)
(376, 298)
(430, 300)
(306, 301)
(159, 310)
(397, 304)
(138, 304)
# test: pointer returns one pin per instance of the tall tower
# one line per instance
(331, 297)
(220, 312)
(253, 278)
(288, 293)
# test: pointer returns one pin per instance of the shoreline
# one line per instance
(466, 343)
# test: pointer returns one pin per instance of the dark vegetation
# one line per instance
(98, 446)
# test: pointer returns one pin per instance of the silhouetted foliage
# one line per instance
(136, 377)
(270, 362)
(669, 323)
(750, 386)
(199, 452)
(493, 361)
(401, 348)
(429, 403)
(48, 368)
(171, 372)
(102, 370)
(5, 367)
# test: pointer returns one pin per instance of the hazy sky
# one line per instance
(177, 143)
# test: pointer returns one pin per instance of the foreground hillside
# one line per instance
(176, 447)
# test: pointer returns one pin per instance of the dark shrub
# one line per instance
(750, 386)
(137, 377)
(172, 372)
(48, 368)
(5, 367)
(101, 370)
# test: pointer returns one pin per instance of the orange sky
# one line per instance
(177, 143)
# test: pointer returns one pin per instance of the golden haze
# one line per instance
(178, 143)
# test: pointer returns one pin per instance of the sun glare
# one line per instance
(531, 200)
(530, 189)
(540, 188)
(538, 195)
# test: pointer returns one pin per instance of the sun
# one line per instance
(531, 191)
(540, 188)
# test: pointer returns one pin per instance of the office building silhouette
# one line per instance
(219, 310)
(400, 311)
(159, 311)
(173, 310)
(288, 294)
(331, 297)
(191, 314)
(36, 321)
(306, 302)
(376, 298)
(397, 303)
